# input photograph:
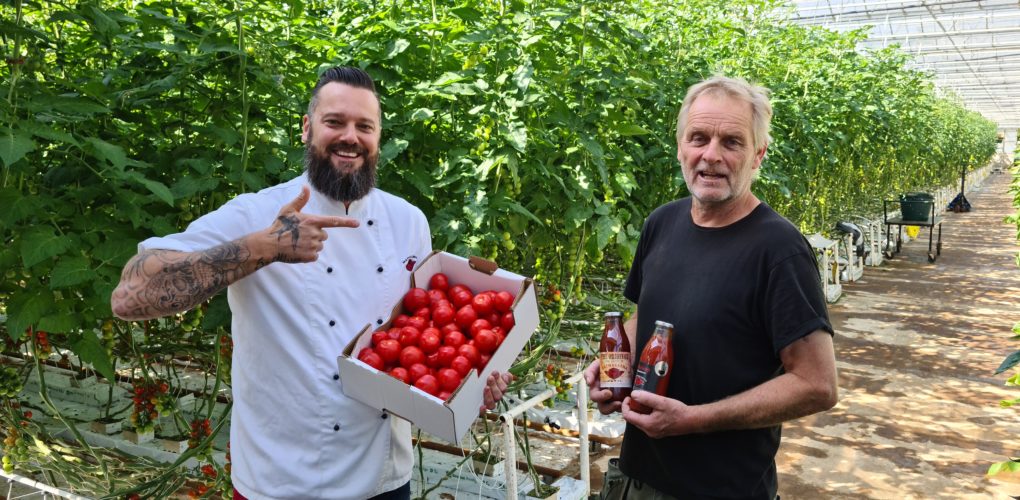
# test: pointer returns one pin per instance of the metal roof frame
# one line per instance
(972, 47)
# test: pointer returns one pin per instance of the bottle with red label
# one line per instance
(655, 364)
(614, 358)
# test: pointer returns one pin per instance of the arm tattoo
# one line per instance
(290, 225)
(175, 281)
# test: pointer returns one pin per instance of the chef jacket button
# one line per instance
(329, 269)
(385, 416)
(379, 269)
(336, 427)
(371, 222)
(378, 321)
(336, 376)
(332, 322)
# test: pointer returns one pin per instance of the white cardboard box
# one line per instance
(448, 420)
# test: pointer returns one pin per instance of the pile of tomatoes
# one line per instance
(440, 335)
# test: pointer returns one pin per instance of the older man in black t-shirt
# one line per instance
(752, 343)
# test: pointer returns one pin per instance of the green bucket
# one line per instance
(916, 206)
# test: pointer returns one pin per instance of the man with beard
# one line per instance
(332, 259)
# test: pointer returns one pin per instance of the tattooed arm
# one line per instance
(158, 283)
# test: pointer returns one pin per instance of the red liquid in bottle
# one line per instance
(615, 359)
(655, 365)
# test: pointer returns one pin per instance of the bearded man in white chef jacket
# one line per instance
(307, 263)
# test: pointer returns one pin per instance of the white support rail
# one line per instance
(43, 488)
(510, 446)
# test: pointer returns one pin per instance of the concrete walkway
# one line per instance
(917, 345)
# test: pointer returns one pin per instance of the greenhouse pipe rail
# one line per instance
(510, 448)
(566, 432)
(32, 483)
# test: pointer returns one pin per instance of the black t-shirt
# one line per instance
(736, 296)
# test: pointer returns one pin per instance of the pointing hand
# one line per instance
(298, 237)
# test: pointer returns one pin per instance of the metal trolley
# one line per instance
(895, 218)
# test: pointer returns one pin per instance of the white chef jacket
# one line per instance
(293, 433)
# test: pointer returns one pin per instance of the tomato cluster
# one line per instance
(42, 343)
(150, 400)
(200, 429)
(17, 440)
(441, 334)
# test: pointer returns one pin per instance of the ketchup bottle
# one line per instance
(614, 358)
(655, 365)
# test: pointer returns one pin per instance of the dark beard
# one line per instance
(341, 187)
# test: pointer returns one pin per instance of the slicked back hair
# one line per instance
(347, 75)
(738, 88)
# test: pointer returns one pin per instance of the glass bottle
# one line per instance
(615, 372)
(655, 364)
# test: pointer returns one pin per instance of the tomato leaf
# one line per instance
(90, 350)
(1008, 363)
(14, 146)
(41, 243)
(70, 271)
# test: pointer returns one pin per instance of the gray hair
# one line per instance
(756, 96)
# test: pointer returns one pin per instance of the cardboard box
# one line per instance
(451, 419)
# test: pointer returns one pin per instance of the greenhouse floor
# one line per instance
(917, 346)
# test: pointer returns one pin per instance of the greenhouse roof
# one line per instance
(971, 46)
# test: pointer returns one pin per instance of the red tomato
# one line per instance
(486, 341)
(445, 355)
(436, 297)
(416, 298)
(400, 373)
(372, 359)
(432, 361)
(442, 316)
(460, 299)
(418, 322)
(503, 301)
(365, 350)
(417, 371)
(451, 327)
(465, 316)
(388, 350)
(424, 312)
(430, 340)
(458, 289)
(470, 352)
(428, 383)
(379, 335)
(482, 303)
(483, 360)
(445, 395)
(449, 379)
(439, 281)
(507, 322)
(462, 365)
(409, 336)
(393, 333)
(454, 339)
(411, 355)
(400, 321)
(480, 324)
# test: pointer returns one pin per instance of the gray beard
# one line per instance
(341, 187)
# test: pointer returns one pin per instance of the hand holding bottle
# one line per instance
(603, 398)
(664, 417)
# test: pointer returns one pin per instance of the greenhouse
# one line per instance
(467, 192)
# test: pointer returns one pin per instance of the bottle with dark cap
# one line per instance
(655, 364)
